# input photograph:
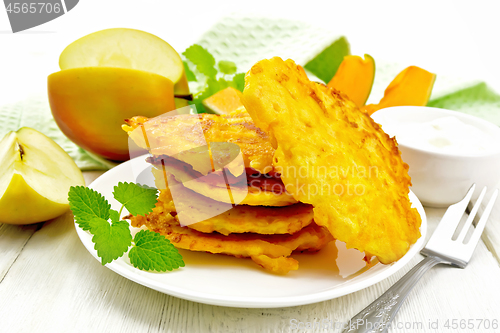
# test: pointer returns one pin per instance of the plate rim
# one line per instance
(245, 301)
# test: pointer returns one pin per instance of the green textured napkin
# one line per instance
(246, 40)
(35, 112)
(478, 100)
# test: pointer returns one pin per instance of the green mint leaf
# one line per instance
(87, 204)
(238, 81)
(111, 240)
(227, 67)
(153, 252)
(222, 84)
(206, 74)
(199, 106)
(189, 74)
(204, 61)
(138, 199)
(114, 215)
(325, 64)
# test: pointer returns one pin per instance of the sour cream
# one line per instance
(446, 134)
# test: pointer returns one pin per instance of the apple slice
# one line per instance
(128, 48)
(35, 177)
(125, 48)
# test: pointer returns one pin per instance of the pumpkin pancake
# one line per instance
(335, 157)
(206, 215)
(269, 251)
(190, 138)
(260, 190)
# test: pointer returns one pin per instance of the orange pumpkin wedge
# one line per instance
(413, 86)
(355, 78)
(224, 101)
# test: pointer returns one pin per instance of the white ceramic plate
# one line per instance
(228, 281)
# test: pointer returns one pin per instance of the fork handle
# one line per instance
(377, 316)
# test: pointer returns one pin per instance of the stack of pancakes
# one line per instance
(231, 184)
(219, 191)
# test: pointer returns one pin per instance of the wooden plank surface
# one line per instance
(491, 236)
(52, 284)
(12, 241)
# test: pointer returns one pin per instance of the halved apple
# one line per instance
(124, 48)
(35, 177)
(127, 48)
(90, 104)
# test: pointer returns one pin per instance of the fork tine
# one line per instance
(452, 217)
(472, 214)
(481, 224)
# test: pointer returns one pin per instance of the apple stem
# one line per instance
(21, 150)
(186, 97)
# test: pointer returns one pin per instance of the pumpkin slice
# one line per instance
(224, 101)
(355, 78)
(413, 86)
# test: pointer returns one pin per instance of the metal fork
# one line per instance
(440, 249)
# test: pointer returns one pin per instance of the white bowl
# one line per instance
(440, 179)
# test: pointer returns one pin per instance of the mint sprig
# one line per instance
(112, 236)
(189, 74)
(111, 240)
(138, 199)
(239, 81)
(202, 59)
(227, 67)
(151, 252)
(200, 68)
(87, 204)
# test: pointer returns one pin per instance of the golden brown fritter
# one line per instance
(185, 137)
(259, 191)
(258, 219)
(171, 164)
(270, 251)
(206, 215)
(280, 265)
(335, 157)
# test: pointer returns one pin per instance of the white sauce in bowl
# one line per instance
(445, 134)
